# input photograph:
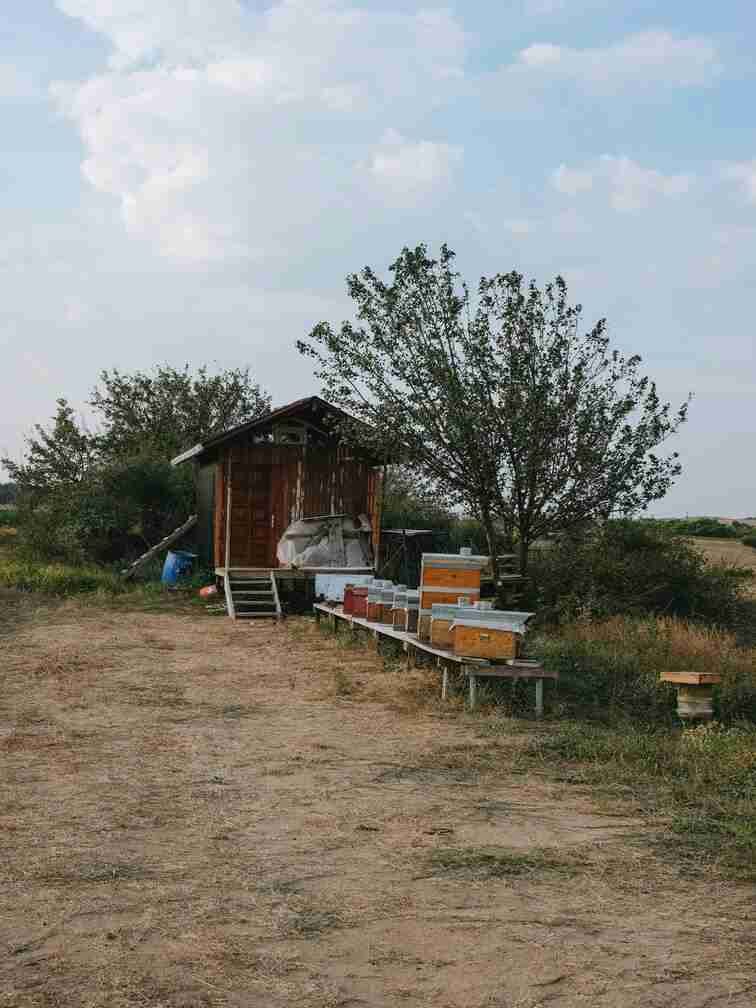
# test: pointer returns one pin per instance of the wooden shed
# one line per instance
(284, 467)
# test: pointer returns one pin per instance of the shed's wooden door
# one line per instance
(251, 515)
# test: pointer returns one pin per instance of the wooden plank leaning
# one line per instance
(163, 544)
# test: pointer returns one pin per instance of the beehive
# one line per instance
(695, 693)
(375, 601)
(387, 603)
(360, 601)
(349, 599)
(423, 624)
(490, 634)
(441, 622)
(399, 610)
(413, 602)
(444, 577)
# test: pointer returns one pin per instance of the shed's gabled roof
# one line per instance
(311, 408)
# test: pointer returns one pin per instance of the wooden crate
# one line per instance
(423, 625)
(374, 612)
(484, 642)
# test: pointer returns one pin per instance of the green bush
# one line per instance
(610, 670)
(112, 516)
(749, 540)
(703, 527)
(633, 567)
(8, 518)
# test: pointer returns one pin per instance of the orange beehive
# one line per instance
(443, 596)
(488, 634)
(484, 642)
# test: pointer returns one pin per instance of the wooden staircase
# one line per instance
(251, 595)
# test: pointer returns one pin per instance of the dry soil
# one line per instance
(196, 812)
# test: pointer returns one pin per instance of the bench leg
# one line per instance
(539, 698)
(445, 683)
(473, 691)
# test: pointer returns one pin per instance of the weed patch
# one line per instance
(479, 863)
(700, 783)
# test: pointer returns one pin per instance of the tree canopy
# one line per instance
(503, 401)
(101, 494)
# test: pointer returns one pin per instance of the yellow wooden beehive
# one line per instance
(488, 634)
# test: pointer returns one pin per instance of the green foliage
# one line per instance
(749, 540)
(610, 670)
(634, 567)
(121, 509)
(8, 518)
(57, 459)
(508, 406)
(170, 409)
(8, 493)
(108, 496)
(704, 776)
(58, 579)
(704, 527)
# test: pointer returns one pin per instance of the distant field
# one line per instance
(728, 551)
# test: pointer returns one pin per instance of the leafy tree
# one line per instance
(168, 410)
(102, 496)
(8, 493)
(504, 405)
(56, 459)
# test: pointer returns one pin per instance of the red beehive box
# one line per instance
(348, 599)
(359, 602)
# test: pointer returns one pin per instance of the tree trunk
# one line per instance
(488, 528)
(523, 548)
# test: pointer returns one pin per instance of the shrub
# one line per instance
(113, 515)
(749, 540)
(610, 670)
(703, 527)
(634, 567)
(8, 518)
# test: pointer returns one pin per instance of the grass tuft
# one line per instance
(497, 862)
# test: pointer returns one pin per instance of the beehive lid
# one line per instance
(454, 560)
(513, 622)
(440, 610)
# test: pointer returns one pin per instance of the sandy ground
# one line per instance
(192, 814)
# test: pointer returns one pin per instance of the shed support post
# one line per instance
(539, 698)
(445, 683)
(473, 690)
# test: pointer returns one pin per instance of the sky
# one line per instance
(192, 181)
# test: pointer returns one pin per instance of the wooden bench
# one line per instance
(472, 668)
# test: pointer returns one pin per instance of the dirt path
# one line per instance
(192, 815)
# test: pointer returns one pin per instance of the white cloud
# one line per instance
(225, 134)
(409, 169)
(646, 59)
(571, 181)
(627, 185)
(743, 172)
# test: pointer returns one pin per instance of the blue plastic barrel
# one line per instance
(177, 565)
